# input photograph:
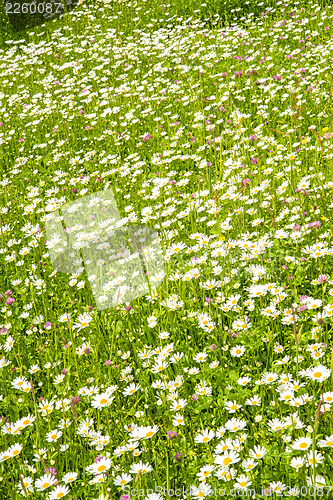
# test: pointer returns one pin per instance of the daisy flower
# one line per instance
(227, 458)
(44, 482)
(258, 452)
(220, 432)
(249, 464)
(99, 467)
(178, 420)
(82, 322)
(69, 477)
(204, 490)
(200, 357)
(25, 421)
(178, 405)
(59, 492)
(122, 480)
(27, 483)
(243, 380)
(102, 400)
(277, 486)
(205, 472)
(140, 466)
(302, 443)
(237, 351)
(327, 397)
(326, 442)
(318, 373)
(226, 473)
(15, 449)
(205, 436)
(318, 458)
(131, 389)
(53, 436)
(254, 401)
(242, 482)
(147, 432)
(33, 369)
(275, 424)
(9, 343)
(231, 407)
(99, 478)
(297, 462)
(64, 318)
(235, 425)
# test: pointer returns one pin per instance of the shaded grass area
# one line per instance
(213, 12)
(251, 207)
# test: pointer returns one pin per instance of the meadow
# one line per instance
(217, 133)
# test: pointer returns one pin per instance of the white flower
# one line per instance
(82, 321)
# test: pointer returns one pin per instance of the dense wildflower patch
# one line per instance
(221, 140)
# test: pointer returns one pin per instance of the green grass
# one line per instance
(236, 176)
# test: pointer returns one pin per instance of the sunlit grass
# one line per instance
(219, 137)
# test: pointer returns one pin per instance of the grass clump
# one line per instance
(220, 138)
